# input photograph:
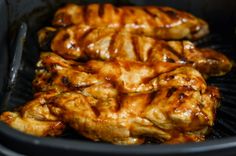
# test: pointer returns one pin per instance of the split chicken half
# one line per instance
(118, 101)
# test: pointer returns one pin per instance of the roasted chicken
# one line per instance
(161, 22)
(124, 102)
(83, 42)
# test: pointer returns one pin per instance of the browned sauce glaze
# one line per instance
(114, 75)
(161, 22)
(83, 42)
(119, 101)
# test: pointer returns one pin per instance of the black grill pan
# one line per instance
(221, 16)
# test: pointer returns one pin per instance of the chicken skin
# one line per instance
(161, 22)
(34, 117)
(123, 101)
(83, 42)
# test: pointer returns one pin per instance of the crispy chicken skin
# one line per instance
(84, 42)
(161, 22)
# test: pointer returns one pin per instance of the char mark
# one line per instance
(170, 92)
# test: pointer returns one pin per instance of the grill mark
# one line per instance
(87, 32)
(170, 92)
(169, 77)
(65, 37)
(182, 51)
(65, 81)
(170, 60)
(85, 17)
(149, 52)
(135, 47)
(180, 57)
(111, 45)
(170, 13)
(152, 15)
(131, 10)
(95, 110)
(116, 10)
(122, 16)
(119, 101)
(101, 10)
(152, 97)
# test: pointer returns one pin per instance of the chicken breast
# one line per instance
(84, 42)
(127, 76)
(161, 22)
(113, 77)
(182, 116)
(119, 101)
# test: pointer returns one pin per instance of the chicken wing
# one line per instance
(161, 22)
(84, 42)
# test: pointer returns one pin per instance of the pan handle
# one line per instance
(18, 49)
(18, 46)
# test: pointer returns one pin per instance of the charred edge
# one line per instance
(170, 92)
(101, 10)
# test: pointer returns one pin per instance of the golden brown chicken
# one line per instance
(132, 87)
(161, 22)
(84, 42)
(123, 102)
(35, 117)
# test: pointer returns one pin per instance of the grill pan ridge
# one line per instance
(222, 139)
